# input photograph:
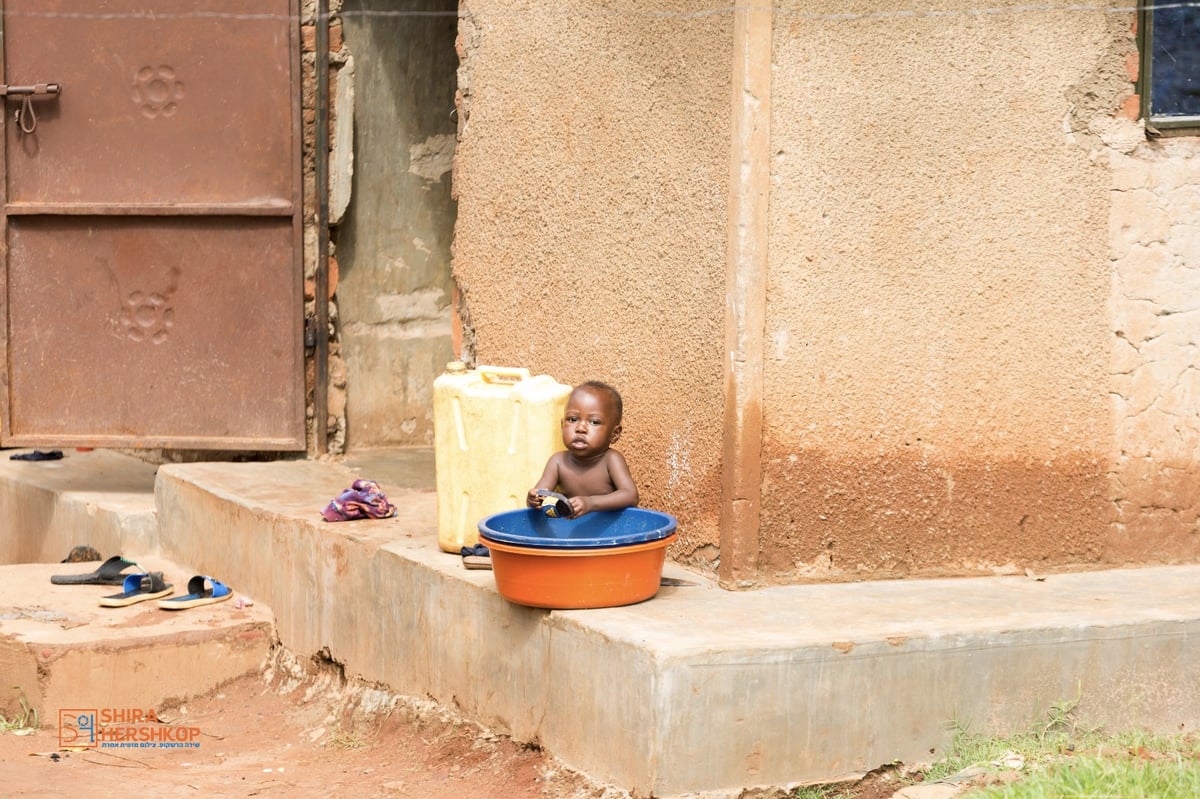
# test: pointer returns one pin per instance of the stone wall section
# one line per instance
(340, 71)
(394, 241)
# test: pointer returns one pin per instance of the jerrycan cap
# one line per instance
(456, 368)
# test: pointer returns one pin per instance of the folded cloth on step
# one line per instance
(362, 500)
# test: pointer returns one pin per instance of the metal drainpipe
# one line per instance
(321, 277)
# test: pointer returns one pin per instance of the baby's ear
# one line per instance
(616, 433)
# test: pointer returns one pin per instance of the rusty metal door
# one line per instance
(151, 222)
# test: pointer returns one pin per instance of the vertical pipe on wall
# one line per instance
(321, 275)
(745, 294)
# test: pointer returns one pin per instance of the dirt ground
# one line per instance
(283, 734)
(288, 734)
(301, 729)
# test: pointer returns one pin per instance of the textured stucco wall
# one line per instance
(592, 176)
(936, 379)
(979, 340)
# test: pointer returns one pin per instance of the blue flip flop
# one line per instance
(198, 594)
(138, 588)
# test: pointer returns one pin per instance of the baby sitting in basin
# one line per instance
(590, 474)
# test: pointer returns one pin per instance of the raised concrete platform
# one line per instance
(59, 649)
(698, 690)
(102, 499)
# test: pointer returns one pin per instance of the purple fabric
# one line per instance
(362, 500)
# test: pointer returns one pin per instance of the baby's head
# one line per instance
(592, 419)
(607, 394)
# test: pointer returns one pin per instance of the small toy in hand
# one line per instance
(555, 505)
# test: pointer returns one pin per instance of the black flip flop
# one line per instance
(476, 557)
(38, 455)
(109, 573)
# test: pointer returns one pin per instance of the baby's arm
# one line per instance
(548, 481)
(623, 495)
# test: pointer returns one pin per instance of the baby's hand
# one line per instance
(532, 500)
(579, 506)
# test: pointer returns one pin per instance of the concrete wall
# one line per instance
(977, 352)
(393, 246)
(1154, 380)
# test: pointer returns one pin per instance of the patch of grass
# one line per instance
(1058, 758)
(1061, 758)
(822, 792)
(27, 719)
(1059, 732)
(1103, 778)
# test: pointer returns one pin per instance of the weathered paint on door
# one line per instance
(153, 285)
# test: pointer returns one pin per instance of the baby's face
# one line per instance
(589, 422)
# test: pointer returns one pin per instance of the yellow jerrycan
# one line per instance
(494, 428)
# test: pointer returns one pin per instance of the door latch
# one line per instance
(25, 116)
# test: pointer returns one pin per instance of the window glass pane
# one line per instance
(1175, 67)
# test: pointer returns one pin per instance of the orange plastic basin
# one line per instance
(598, 560)
(578, 578)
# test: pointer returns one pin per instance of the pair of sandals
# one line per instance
(142, 586)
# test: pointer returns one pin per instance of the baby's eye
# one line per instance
(572, 418)
(597, 422)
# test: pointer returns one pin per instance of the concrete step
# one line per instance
(699, 689)
(99, 498)
(60, 650)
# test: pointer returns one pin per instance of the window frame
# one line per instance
(1165, 124)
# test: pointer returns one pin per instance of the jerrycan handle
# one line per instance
(504, 375)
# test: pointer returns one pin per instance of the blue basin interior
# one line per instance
(531, 527)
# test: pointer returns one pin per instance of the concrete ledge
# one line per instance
(99, 498)
(698, 690)
(60, 649)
